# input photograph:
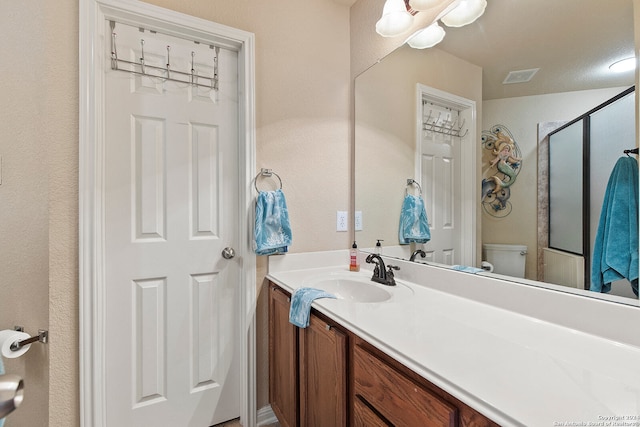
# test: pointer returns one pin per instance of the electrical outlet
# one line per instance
(358, 221)
(341, 222)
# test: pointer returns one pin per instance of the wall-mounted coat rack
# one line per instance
(445, 127)
(166, 73)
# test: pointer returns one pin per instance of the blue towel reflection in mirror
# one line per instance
(414, 226)
(615, 252)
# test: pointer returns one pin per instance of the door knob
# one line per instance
(228, 253)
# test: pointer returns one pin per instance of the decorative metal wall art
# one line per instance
(502, 169)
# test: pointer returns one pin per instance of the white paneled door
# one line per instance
(171, 207)
(440, 166)
(446, 166)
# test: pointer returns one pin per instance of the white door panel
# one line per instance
(440, 170)
(172, 348)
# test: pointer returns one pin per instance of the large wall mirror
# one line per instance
(571, 43)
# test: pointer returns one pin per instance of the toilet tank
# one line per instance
(509, 260)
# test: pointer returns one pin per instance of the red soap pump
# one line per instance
(354, 263)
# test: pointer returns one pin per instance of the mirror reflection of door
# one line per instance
(444, 165)
(440, 167)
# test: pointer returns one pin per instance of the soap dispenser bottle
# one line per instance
(379, 247)
(354, 263)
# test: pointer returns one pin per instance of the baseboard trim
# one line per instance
(266, 416)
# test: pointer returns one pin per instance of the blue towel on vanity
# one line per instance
(414, 226)
(301, 305)
(615, 252)
(467, 269)
(272, 232)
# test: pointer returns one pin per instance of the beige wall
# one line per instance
(24, 267)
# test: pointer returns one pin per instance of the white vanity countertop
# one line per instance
(515, 369)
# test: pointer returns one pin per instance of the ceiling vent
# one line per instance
(521, 76)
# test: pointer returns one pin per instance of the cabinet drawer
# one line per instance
(363, 416)
(397, 398)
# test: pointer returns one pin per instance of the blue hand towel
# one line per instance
(615, 252)
(467, 269)
(272, 233)
(301, 305)
(414, 227)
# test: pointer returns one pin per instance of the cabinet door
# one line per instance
(283, 369)
(323, 375)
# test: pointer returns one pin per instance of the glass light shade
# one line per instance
(465, 13)
(623, 65)
(395, 19)
(427, 37)
(424, 4)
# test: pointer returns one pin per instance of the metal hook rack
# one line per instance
(411, 181)
(445, 127)
(631, 151)
(267, 173)
(42, 337)
(165, 73)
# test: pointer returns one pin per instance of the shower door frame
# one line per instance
(586, 179)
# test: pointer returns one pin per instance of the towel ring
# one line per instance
(266, 173)
(411, 181)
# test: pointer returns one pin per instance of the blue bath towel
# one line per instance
(615, 252)
(301, 305)
(272, 232)
(467, 269)
(414, 226)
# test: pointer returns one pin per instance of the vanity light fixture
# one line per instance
(465, 13)
(427, 37)
(395, 19)
(424, 4)
(623, 65)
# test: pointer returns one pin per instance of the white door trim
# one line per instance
(93, 60)
(468, 156)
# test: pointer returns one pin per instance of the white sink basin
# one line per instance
(352, 290)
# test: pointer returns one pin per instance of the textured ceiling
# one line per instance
(573, 42)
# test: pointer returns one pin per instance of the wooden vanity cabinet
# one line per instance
(325, 376)
(307, 368)
(394, 395)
